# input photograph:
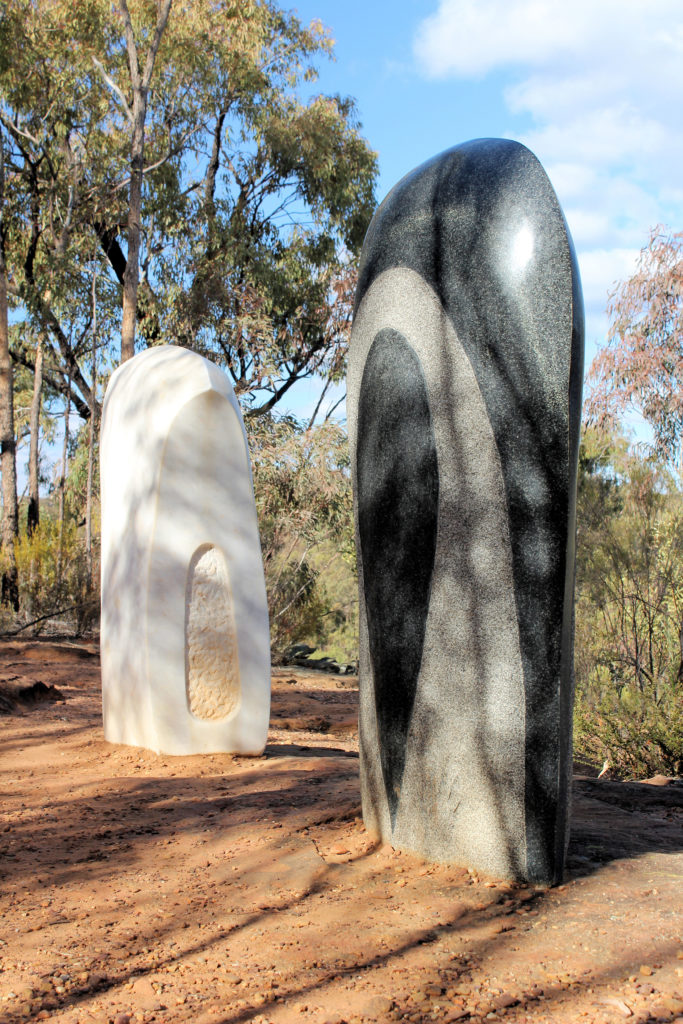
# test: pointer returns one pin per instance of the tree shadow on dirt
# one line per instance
(91, 838)
(255, 840)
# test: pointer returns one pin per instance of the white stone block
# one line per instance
(184, 632)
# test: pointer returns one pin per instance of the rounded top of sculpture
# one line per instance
(155, 384)
(489, 197)
(476, 159)
(169, 365)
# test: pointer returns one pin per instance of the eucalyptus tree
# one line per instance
(255, 192)
(140, 79)
(8, 461)
(642, 365)
(179, 155)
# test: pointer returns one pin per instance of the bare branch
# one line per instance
(333, 407)
(212, 169)
(320, 402)
(131, 46)
(14, 128)
(164, 10)
(114, 88)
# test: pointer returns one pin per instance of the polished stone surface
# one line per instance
(469, 317)
(184, 632)
(398, 489)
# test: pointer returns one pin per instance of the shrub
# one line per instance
(303, 498)
(629, 615)
(638, 733)
(55, 584)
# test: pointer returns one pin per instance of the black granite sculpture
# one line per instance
(464, 407)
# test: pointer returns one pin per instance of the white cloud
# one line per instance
(601, 270)
(601, 81)
(470, 37)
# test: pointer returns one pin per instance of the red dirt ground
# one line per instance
(222, 890)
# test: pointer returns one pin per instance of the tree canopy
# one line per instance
(256, 192)
(642, 365)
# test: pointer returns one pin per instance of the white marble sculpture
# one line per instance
(184, 633)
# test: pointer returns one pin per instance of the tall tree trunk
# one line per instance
(33, 516)
(62, 481)
(91, 438)
(8, 447)
(140, 86)
(131, 278)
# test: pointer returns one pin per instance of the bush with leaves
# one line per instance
(58, 577)
(629, 613)
(56, 588)
(303, 497)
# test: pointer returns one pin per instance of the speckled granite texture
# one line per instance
(464, 407)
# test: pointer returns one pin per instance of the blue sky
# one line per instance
(594, 88)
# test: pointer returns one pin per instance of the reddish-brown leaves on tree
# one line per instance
(642, 365)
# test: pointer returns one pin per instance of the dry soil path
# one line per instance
(219, 889)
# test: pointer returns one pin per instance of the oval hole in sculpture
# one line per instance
(211, 656)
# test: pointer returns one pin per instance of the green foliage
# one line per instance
(303, 498)
(637, 733)
(629, 611)
(54, 580)
(77, 479)
(336, 633)
(278, 189)
(256, 196)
